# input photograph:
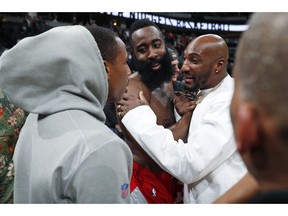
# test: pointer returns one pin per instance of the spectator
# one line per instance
(175, 63)
(241, 192)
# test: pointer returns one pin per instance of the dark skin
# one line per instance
(148, 44)
(162, 108)
(204, 67)
(205, 63)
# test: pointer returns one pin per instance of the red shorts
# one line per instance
(154, 187)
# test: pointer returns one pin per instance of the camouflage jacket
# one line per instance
(11, 121)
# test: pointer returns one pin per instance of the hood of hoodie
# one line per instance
(61, 69)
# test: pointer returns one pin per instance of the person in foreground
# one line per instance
(241, 192)
(259, 105)
(65, 153)
(208, 163)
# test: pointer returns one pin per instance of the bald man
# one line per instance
(259, 106)
(208, 164)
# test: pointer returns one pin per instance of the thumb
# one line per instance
(142, 98)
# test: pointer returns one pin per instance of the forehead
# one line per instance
(175, 61)
(121, 47)
(146, 35)
(197, 47)
(120, 43)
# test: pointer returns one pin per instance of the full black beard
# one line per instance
(155, 78)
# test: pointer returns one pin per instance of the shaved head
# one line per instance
(215, 44)
(262, 70)
(206, 60)
(260, 100)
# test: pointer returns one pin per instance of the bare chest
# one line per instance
(161, 105)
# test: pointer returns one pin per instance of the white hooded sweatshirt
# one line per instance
(65, 153)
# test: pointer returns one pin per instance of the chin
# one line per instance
(116, 100)
(190, 86)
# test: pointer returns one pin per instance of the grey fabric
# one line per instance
(65, 153)
(137, 197)
(58, 70)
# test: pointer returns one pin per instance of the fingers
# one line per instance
(181, 99)
(174, 101)
(119, 110)
(142, 98)
(178, 93)
(130, 102)
(129, 96)
(183, 107)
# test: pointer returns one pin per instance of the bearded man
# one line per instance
(149, 182)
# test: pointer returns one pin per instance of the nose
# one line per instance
(129, 71)
(177, 70)
(152, 53)
(185, 68)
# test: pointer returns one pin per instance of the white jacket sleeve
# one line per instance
(189, 161)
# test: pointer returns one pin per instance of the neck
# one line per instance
(215, 81)
(221, 77)
(275, 185)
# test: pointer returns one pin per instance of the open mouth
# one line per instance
(189, 79)
(155, 65)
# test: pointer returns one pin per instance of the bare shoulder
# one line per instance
(136, 85)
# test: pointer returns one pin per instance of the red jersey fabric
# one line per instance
(155, 187)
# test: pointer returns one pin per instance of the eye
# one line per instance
(194, 60)
(157, 44)
(142, 49)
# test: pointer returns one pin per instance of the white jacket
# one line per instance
(208, 164)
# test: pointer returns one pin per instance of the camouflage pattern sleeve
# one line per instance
(11, 122)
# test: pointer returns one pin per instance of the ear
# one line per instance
(107, 66)
(220, 64)
(247, 131)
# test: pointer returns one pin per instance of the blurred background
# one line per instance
(178, 28)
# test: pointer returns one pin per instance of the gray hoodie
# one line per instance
(65, 153)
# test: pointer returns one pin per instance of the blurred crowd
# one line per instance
(14, 27)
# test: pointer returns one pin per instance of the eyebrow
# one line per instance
(193, 55)
(153, 41)
(139, 45)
